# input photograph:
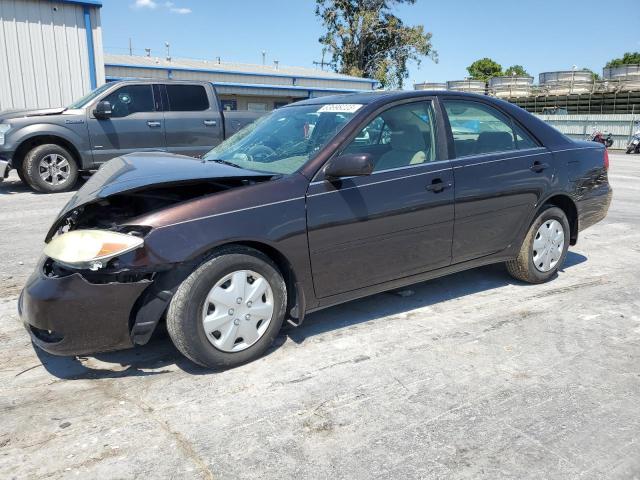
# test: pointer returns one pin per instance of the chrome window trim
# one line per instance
(376, 183)
(417, 165)
(498, 159)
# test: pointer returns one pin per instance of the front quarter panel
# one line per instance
(270, 213)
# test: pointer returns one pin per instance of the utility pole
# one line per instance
(322, 63)
(130, 47)
(264, 57)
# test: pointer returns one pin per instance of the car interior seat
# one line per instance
(494, 142)
(408, 147)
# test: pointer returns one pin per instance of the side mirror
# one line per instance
(349, 165)
(102, 110)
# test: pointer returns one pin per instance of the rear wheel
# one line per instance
(229, 310)
(544, 249)
(50, 168)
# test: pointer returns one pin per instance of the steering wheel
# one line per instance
(260, 153)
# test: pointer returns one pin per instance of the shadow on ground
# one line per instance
(159, 353)
(13, 185)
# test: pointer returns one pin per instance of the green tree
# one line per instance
(516, 71)
(629, 58)
(484, 69)
(367, 40)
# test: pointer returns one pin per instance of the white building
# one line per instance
(50, 52)
(240, 86)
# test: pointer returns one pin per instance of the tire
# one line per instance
(191, 303)
(66, 173)
(21, 175)
(523, 266)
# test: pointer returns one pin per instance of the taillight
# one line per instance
(606, 159)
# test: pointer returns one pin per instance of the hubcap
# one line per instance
(54, 169)
(548, 245)
(237, 311)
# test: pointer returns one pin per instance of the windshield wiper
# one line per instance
(225, 162)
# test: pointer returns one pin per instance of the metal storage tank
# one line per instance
(52, 52)
(567, 82)
(625, 77)
(430, 86)
(510, 87)
(468, 85)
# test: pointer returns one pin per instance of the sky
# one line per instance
(541, 35)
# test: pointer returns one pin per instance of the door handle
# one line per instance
(153, 124)
(437, 185)
(538, 166)
(210, 123)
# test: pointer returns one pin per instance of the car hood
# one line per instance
(137, 171)
(7, 114)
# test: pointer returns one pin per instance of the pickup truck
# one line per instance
(50, 147)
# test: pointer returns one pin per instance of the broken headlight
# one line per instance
(90, 249)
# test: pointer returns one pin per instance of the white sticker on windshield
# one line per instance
(340, 108)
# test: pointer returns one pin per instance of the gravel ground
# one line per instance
(473, 376)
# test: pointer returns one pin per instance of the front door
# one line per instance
(136, 124)
(500, 173)
(393, 223)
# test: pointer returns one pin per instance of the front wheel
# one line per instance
(229, 310)
(50, 168)
(544, 249)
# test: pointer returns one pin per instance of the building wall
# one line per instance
(579, 127)
(243, 101)
(119, 71)
(45, 60)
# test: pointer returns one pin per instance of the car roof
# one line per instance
(389, 95)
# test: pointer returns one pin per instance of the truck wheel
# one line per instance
(229, 310)
(50, 168)
(544, 249)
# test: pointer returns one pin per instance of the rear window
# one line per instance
(187, 98)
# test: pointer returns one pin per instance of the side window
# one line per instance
(131, 99)
(399, 137)
(187, 98)
(478, 128)
(523, 140)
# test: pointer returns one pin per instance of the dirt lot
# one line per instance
(473, 376)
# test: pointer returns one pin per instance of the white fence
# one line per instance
(579, 127)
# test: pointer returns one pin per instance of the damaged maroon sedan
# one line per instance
(315, 204)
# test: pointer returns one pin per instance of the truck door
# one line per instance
(135, 124)
(193, 123)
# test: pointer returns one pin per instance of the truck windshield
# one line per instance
(81, 102)
(286, 139)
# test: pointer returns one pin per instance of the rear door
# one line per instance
(500, 172)
(193, 124)
(136, 124)
(396, 222)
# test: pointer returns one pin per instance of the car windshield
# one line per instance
(81, 102)
(284, 140)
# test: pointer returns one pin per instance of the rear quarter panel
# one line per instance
(582, 167)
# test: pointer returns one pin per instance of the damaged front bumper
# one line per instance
(71, 316)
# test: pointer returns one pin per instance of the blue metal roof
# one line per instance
(90, 3)
(340, 78)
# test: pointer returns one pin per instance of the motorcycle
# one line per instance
(604, 138)
(634, 143)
